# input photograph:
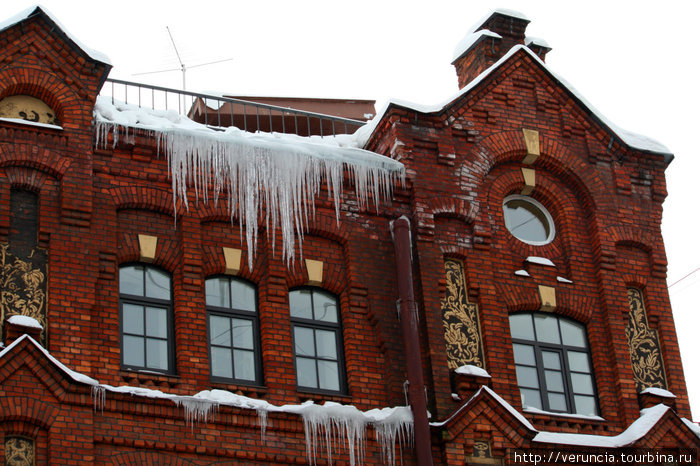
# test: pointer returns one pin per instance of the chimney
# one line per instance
(491, 39)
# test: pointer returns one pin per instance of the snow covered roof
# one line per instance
(38, 9)
(633, 140)
(500, 11)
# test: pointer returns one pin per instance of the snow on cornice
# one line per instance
(31, 11)
(470, 40)
(501, 11)
(277, 175)
(470, 369)
(638, 429)
(658, 392)
(635, 141)
(692, 426)
(529, 40)
(25, 321)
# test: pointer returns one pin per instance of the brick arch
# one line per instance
(28, 410)
(146, 198)
(47, 87)
(28, 156)
(326, 226)
(138, 458)
(637, 238)
(455, 208)
(167, 253)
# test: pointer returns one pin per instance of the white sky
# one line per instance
(633, 60)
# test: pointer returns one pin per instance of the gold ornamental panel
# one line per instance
(460, 320)
(19, 451)
(645, 353)
(27, 108)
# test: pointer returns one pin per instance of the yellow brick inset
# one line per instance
(147, 247)
(232, 257)
(315, 271)
(532, 144)
(548, 298)
(529, 179)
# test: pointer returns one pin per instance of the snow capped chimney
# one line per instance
(489, 40)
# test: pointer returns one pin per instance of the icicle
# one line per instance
(266, 177)
(196, 411)
(99, 397)
(337, 424)
(398, 426)
(262, 421)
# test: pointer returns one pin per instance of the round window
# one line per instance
(528, 220)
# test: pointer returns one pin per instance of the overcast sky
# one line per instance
(635, 61)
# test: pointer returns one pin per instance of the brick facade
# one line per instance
(604, 196)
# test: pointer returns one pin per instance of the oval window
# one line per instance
(528, 220)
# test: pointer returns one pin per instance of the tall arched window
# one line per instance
(145, 304)
(232, 313)
(317, 340)
(553, 363)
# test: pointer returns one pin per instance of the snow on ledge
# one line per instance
(31, 123)
(638, 429)
(470, 369)
(25, 321)
(522, 273)
(692, 426)
(589, 417)
(540, 260)
(278, 174)
(658, 392)
(563, 280)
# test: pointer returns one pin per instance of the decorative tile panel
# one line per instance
(643, 341)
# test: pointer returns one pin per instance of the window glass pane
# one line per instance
(217, 292)
(555, 383)
(156, 354)
(527, 377)
(526, 221)
(132, 319)
(578, 361)
(300, 304)
(304, 341)
(306, 373)
(524, 354)
(325, 307)
(521, 327)
(133, 351)
(157, 284)
(326, 344)
(242, 296)
(220, 330)
(551, 360)
(585, 405)
(547, 328)
(221, 365)
(242, 333)
(573, 334)
(582, 384)
(156, 322)
(531, 398)
(328, 378)
(557, 402)
(244, 364)
(131, 280)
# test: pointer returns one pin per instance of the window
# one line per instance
(317, 340)
(232, 313)
(528, 220)
(553, 364)
(146, 312)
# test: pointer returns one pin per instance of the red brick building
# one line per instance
(513, 284)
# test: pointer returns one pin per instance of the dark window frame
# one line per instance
(126, 298)
(562, 349)
(314, 324)
(233, 313)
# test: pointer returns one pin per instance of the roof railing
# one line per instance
(220, 112)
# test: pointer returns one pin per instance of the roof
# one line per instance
(633, 140)
(39, 10)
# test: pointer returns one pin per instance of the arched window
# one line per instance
(553, 363)
(317, 340)
(145, 304)
(232, 313)
(528, 220)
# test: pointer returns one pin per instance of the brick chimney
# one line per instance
(490, 40)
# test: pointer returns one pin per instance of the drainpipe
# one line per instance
(408, 313)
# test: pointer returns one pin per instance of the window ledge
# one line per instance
(136, 377)
(318, 396)
(251, 391)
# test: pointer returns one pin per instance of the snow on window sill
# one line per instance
(32, 123)
(141, 377)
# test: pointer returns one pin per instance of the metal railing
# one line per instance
(222, 112)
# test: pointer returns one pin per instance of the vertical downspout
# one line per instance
(408, 313)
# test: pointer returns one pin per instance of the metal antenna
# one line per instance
(182, 65)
